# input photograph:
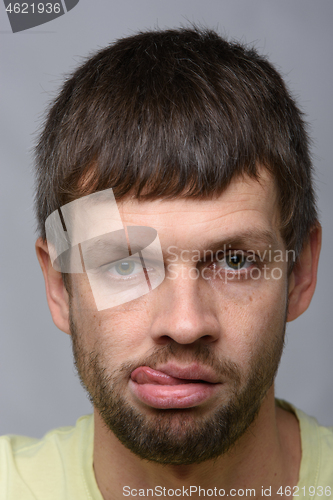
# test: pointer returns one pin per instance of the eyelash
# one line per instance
(213, 267)
(126, 278)
(241, 271)
(120, 277)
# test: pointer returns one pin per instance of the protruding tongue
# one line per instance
(146, 375)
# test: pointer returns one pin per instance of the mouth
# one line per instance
(172, 386)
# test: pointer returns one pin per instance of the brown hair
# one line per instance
(175, 113)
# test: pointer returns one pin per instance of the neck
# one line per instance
(267, 455)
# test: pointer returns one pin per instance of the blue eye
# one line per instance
(124, 268)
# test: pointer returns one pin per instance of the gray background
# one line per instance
(38, 386)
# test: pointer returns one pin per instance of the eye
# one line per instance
(235, 261)
(124, 268)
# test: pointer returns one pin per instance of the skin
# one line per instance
(235, 320)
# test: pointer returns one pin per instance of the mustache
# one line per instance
(202, 354)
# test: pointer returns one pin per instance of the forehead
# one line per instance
(246, 205)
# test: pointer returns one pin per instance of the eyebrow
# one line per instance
(103, 252)
(249, 240)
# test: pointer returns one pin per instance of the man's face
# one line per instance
(180, 373)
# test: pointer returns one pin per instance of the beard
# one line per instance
(180, 436)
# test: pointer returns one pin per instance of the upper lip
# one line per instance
(193, 371)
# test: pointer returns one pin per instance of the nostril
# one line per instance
(184, 325)
(164, 339)
(208, 338)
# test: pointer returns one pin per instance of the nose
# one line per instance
(184, 312)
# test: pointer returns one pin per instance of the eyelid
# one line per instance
(254, 261)
(103, 268)
(220, 255)
(117, 275)
(149, 264)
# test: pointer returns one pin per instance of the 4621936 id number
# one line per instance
(310, 491)
(32, 8)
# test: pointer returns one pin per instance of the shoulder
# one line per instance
(55, 442)
(33, 467)
(317, 450)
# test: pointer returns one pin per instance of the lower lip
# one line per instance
(173, 396)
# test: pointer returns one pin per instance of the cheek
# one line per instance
(116, 332)
(252, 319)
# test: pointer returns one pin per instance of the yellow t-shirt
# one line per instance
(57, 467)
(316, 471)
(60, 466)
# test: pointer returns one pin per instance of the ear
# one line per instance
(302, 281)
(56, 293)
